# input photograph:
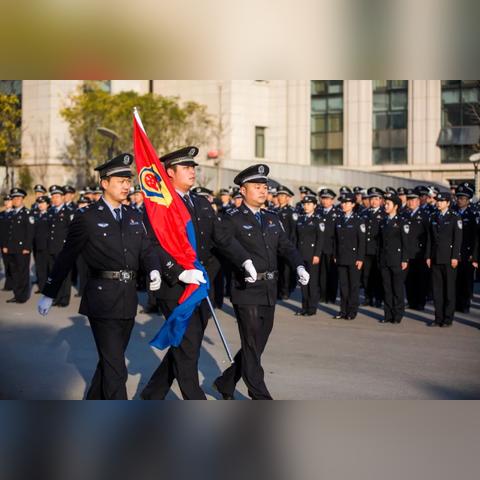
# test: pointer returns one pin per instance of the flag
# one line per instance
(173, 227)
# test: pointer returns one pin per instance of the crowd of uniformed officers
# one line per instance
(255, 246)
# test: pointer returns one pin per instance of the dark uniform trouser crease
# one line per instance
(349, 280)
(328, 282)
(372, 278)
(180, 362)
(417, 283)
(110, 378)
(443, 283)
(255, 323)
(310, 292)
(394, 303)
(20, 271)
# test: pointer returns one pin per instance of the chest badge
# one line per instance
(103, 225)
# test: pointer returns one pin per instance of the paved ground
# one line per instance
(306, 358)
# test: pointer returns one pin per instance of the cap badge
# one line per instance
(261, 169)
(126, 159)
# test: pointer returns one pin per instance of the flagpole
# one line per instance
(220, 332)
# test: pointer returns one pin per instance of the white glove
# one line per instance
(250, 270)
(192, 276)
(156, 281)
(44, 305)
(303, 275)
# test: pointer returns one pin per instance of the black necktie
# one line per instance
(258, 217)
(117, 215)
(188, 201)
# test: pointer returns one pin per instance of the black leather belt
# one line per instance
(267, 275)
(121, 275)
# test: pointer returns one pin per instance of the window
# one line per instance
(260, 142)
(390, 118)
(460, 115)
(105, 85)
(326, 125)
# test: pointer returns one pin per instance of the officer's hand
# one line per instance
(44, 305)
(5, 250)
(404, 265)
(429, 263)
(475, 264)
(250, 270)
(454, 263)
(316, 260)
(359, 264)
(303, 275)
(192, 276)
(156, 280)
(25, 252)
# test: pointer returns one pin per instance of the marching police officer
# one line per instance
(40, 241)
(327, 214)
(418, 274)
(288, 217)
(465, 271)
(443, 255)
(349, 256)
(309, 245)
(372, 281)
(18, 246)
(59, 218)
(260, 232)
(393, 258)
(182, 362)
(4, 225)
(112, 239)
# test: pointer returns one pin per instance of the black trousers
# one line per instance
(8, 285)
(328, 281)
(180, 362)
(41, 267)
(20, 270)
(82, 274)
(310, 292)
(464, 293)
(255, 323)
(417, 283)
(63, 295)
(286, 278)
(393, 279)
(110, 378)
(349, 280)
(372, 279)
(443, 286)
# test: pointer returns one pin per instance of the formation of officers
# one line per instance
(255, 247)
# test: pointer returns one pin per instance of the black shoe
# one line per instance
(351, 316)
(446, 325)
(378, 304)
(340, 316)
(149, 310)
(434, 324)
(225, 396)
(367, 302)
(300, 313)
(383, 320)
(309, 313)
(11, 300)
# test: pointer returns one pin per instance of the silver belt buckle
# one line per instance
(125, 276)
(269, 275)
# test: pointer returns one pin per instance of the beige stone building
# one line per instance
(317, 130)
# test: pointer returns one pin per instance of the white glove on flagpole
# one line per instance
(44, 305)
(250, 270)
(192, 276)
(156, 280)
(303, 275)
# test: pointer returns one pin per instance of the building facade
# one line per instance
(418, 129)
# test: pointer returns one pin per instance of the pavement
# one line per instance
(313, 358)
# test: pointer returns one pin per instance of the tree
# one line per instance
(10, 130)
(169, 123)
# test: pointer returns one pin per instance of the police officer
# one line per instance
(225, 200)
(418, 274)
(309, 245)
(402, 195)
(372, 280)
(393, 258)
(443, 255)
(349, 256)
(359, 208)
(40, 241)
(113, 242)
(40, 191)
(260, 232)
(69, 195)
(303, 190)
(59, 218)
(18, 246)
(182, 362)
(4, 225)
(327, 214)
(288, 217)
(465, 271)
